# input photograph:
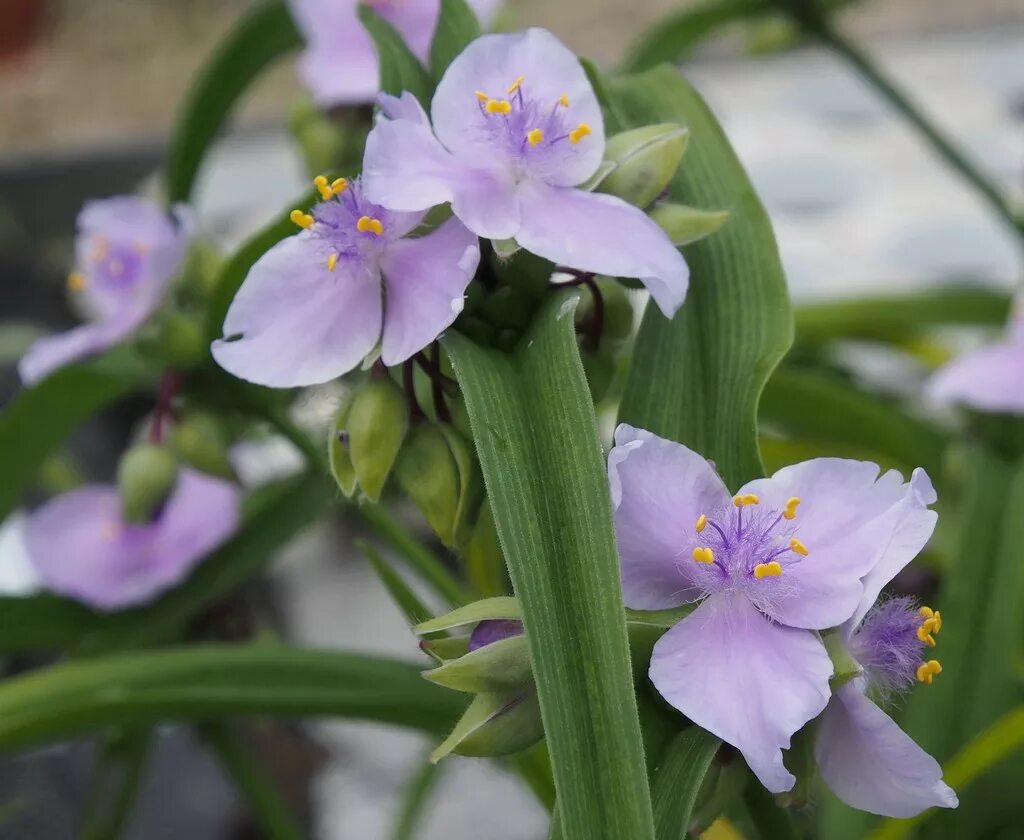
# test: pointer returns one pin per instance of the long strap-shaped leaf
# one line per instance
(697, 378)
(536, 435)
(204, 682)
(683, 768)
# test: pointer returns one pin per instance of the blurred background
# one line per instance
(88, 94)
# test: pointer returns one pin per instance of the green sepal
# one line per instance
(499, 666)
(377, 423)
(503, 607)
(339, 456)
(495, 725)
(685, 225)
(645, 160)
(446, 649)
(145, 478)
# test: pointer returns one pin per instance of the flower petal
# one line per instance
(301, 323)
(603, 234)
(415, 21)
(872, 764)
(48, 354)
(404, 107)
(659, 489)
(425, 281)
(851, 521)
(751, 682)
(491, 64)
(988, 379)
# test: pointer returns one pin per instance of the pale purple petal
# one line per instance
(491, 64)
(415, 21)
(988, 379)
(404, 107)
(850, 521)
(873, 765)
(53, 352)
(605, 235)
(751, 682)
(425, 281)
(492, 630)
(301, 323)
(82, 548)
(659, 489)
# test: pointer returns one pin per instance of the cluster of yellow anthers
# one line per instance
(534, 136)
(77, 281)
(931, 625)
(773, 568)
(328, 190)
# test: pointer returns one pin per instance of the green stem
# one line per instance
(268, 810)
(415, 798)
(119, 770)
(819, 27)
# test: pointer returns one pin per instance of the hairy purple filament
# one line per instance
(336, 222)
(889, 646)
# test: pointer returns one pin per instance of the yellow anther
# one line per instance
(929, 614)
(746, 499)
(326, 191)
(77, 281)
(515, 85)
(703, 555)
(924, 632)
(798, 547)
(563, 100)
(498, 106)
(332, 262)
(483, 97)
(937, 618)
(578, 133)
(791, 505)
(534, 136)
(374, 226)
(926, 671)
(339, 185)
(763, 570)
(303, 220)
(702, 523)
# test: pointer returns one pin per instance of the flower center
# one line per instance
(348, 225)
(746, 543)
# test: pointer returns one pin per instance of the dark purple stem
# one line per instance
(595, 328)
(170, 384)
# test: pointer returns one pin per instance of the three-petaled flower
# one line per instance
(988, 379)
(126, 252)
(82, 546)
(316, 304)
(516, 128)
(783, 557)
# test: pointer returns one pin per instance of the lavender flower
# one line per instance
(127, 250)
(317, 303)
(82, 546)
(340, 64)
(783, 557)
(864, 757)
(516, 127)
(989, 379)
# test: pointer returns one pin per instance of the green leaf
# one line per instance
(266, 33)
(820, 407)
(536, 437)
(39, 418)
(679, 779)
(414, 799)
(456, 27)
(118, 770)
(48, 622)
(686, 225)
(211, 681)
(407, 601)
(697, 378)
(400, 70)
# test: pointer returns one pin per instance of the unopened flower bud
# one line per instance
(339, 456)
(200, 440)
(145, 478)
(179, 342)
(427, 472)
(495, 724)
(687, 224)
(501, 664)
(377, 422)
(645, 160)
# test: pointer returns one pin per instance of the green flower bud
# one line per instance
(179, 341)
(325, 142)
(645, 160)
(339, 456)
(145, 478)
(498, 666)
(200, 440)
(494, 725)
(427, 472)
(377, 422)
(508, 307)
(688, 224)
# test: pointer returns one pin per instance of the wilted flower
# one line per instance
(864, 757)
(84, 548)
(340, 65)
(516, 127)
(988, 379)
(126, 251)
(786, 555)
(316, 304)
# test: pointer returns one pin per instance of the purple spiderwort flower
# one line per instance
(83, 548)
(126, 252)
(516, 127)
(316, 304)
(988, 379)
(339, 65)
(492, 630)
(864, 756)
(783, 557)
